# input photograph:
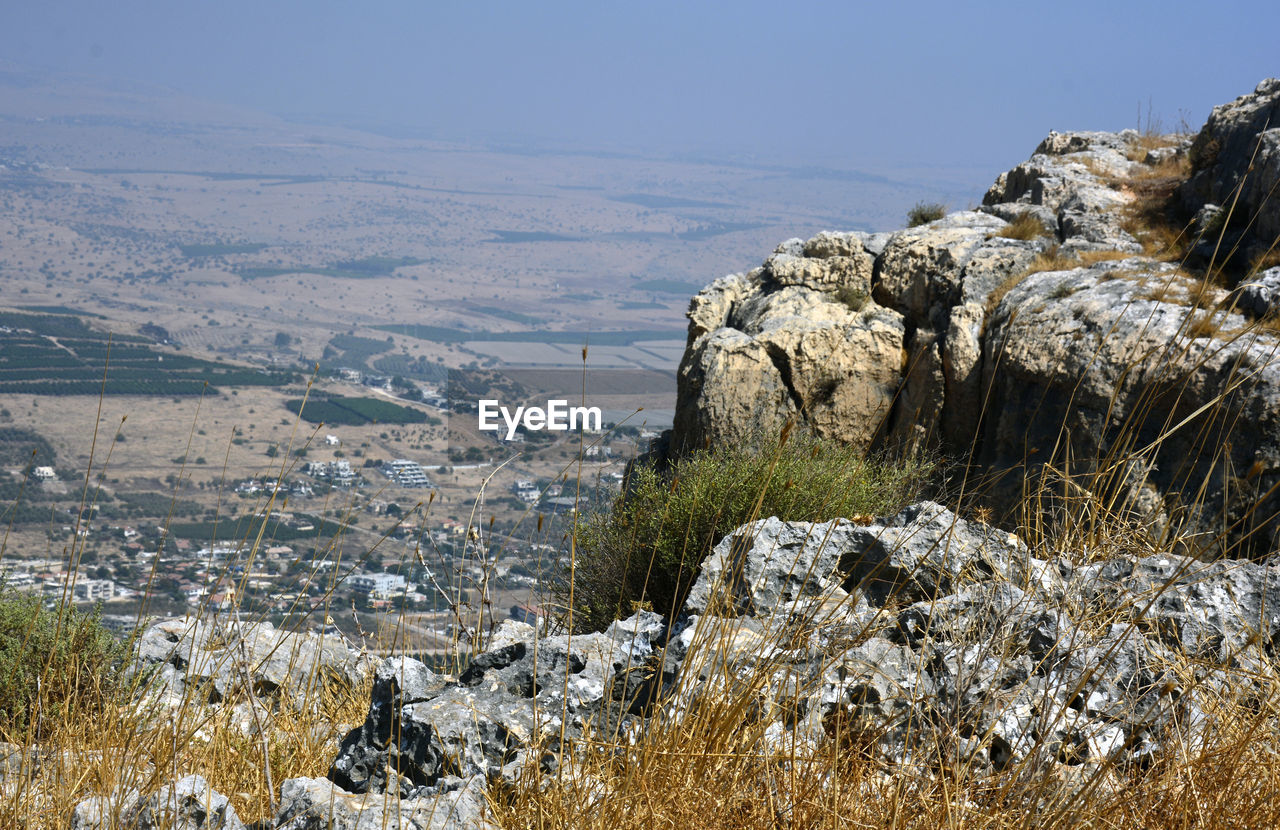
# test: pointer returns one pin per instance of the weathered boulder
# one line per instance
(788, 349)
(875, 339)
(216, 658)
(1116, 363)
(1238, 149)
(925, 551)
(512, 699)
(382, 745)
(956, 640)
(1260, 295)
(319, 804)
(187, 804)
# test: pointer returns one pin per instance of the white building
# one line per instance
(94, 590)
(406, 473)
(381, 586)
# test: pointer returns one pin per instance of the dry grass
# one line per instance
(1051, 259)
(1149, 216)
(1151, 139)
(1024, 227)
(1266, 260)
(125, 747)
(925, 212)
(715, 765)
(714, 774)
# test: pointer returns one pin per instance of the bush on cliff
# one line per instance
(59, 666)
(647, 549)
(925, 212)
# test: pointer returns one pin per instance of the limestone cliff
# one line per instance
(1037, 332)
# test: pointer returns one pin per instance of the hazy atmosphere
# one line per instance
(845, 85)
(598, 415)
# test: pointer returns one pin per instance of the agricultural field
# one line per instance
(47, 354)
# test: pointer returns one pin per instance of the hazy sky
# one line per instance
(842, 84)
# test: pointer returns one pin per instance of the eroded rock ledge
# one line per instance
(1034, 324)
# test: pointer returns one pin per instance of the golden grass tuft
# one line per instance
(1025, 227)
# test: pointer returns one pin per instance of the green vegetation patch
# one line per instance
(337, 409)
(647, 549)
(209, 249)
(925, 212)
(157, 504)
(530, 236)
(62, 356)
(348, 350)
(20, 447)
(246, 528)
(64, 665)
(418, 368)
(351, 269)
(506, 314)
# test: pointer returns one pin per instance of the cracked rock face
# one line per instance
(1239, 149)
(1110, 353)
(942, 336)
(422, 730)
(925, 633)
(798, 336)
(875, 338)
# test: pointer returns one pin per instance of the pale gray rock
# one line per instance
(1011, 211)
(1260, 295)
(925, 551)
(962, 374)
(218, 659)
(187, 804)
(784, 351)
(422, 729)
(1116, 350)
(103, 812)
(319, 804)
(917, 412)
(385, 752)
(1238, 150)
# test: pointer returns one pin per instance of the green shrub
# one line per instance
(853, 298)
(64, 666)
(924, 213)
(647, 549)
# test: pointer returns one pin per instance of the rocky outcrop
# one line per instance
(216, 659)
(187, 804)
(517, 699)
(1235, 166)
(1115, 362)
(1031, 335)
(797, 336)
(937, 637)
(319, 804)
(867, 338)
(916, 637)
